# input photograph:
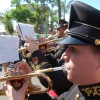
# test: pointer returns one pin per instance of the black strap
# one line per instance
(20, 31)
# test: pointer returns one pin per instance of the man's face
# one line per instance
(60, 31)
(82, 64)
(43, 49)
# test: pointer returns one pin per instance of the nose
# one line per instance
(65, 56)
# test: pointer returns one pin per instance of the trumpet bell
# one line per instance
(34, 89)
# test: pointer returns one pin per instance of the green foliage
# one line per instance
(65, 7)
(44, 2)
(16, 3)
(8, 22)
(36, 11)
(21, 14)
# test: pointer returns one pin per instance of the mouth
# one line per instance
(66, 67)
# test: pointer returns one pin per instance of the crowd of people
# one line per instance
(80, 54)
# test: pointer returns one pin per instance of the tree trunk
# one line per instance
(59, 9)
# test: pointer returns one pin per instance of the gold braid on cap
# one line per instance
(96, 41)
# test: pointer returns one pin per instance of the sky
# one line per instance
(5, 4)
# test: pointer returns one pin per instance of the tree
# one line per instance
(37, 11)
(53, 17)
(59, 9)
(16, 3)
(41, 14)
(46, 12)
(6, 20)
(65, 7)
(22, 14)
(42, 2)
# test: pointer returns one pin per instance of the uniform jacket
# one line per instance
(59, 78)
(89, 92)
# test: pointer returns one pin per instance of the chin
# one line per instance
(69, 77)
(73, 80)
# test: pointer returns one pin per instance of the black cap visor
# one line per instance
(70, 40)
(58, 26)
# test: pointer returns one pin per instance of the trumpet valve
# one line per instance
(16, 83)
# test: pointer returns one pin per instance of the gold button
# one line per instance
(77, 97)
(97, 42)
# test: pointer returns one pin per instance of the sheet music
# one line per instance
(26, 30)
(9, 48)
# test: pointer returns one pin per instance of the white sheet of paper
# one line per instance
(9, 48)
(26, 30)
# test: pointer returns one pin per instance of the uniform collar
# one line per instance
(90, 90)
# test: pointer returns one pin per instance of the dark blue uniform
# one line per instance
(59, 78)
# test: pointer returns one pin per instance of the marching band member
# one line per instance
(58, 89)
(40, 62)
(55, 59)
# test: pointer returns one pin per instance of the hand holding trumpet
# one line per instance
(23, 66)
(12, 94)
(10, 91)
(8, 88)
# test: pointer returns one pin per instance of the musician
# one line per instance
(83, 54)
(55, 58)
(39, 60)
(60, 29)
(57, 77)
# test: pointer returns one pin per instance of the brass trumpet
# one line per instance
(32, 89)
(23, 49)
(40, 44)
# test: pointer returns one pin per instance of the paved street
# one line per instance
(1, 84)
(34, 80)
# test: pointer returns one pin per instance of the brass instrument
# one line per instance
(53, 48)
(40, 44)
(23, 49)
(48, 50)
(32, 89)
